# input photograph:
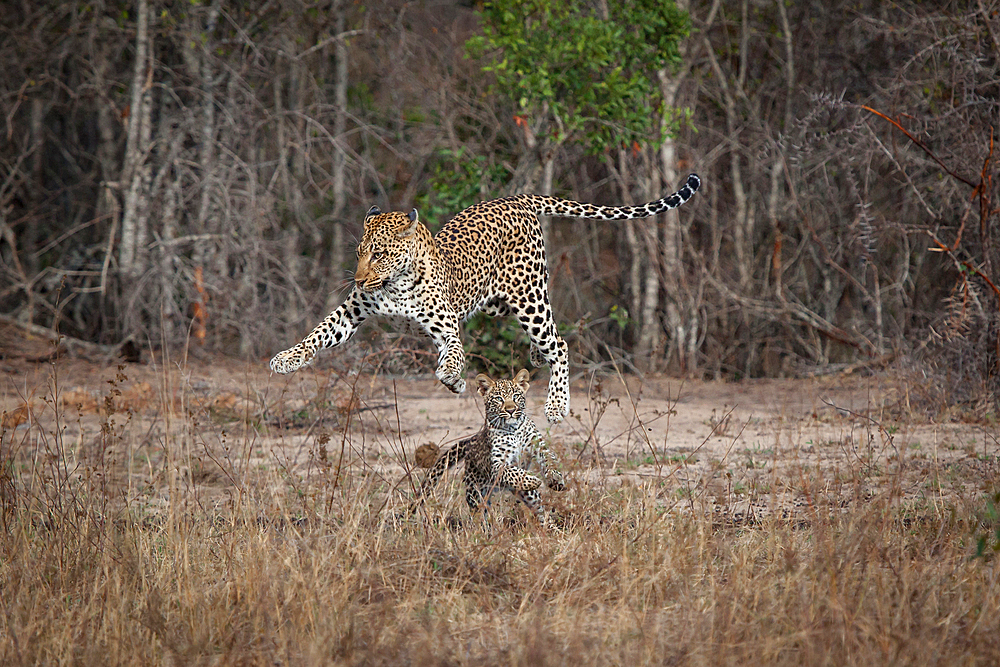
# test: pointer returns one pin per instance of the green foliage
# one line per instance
(458, 180)
(619, 314)
(496, 346)
(592, 77)
(360, 96)
(988, 538)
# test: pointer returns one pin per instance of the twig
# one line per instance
(921, 145)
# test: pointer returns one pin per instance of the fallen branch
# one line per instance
(73, 346)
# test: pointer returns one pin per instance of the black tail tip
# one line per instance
(693, 182)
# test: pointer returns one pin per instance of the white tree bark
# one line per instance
(548, 176)
(632, 240)
(339, 154)
(744, 219)
(681, 307)
(135, 221)
(777, 165)
(649, 343)
(204, 255)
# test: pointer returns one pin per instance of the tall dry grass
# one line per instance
(124, 556)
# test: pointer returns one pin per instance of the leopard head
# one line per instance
(504, 399)
(386, 247)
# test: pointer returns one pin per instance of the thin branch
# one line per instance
(921, 145)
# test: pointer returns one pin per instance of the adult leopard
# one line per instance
(489, 257)
(492, 455)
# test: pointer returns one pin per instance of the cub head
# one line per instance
(504, 399)
(386, 246)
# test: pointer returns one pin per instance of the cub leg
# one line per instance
(514, 478)
(477, 495)
(547, 461)
(533, 501)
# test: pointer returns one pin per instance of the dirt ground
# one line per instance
(745, 446)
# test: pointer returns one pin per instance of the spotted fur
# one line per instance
(489, 257)
(492, 455)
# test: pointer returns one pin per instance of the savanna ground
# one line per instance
(195, 510)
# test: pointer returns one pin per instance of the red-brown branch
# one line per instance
(921, 145)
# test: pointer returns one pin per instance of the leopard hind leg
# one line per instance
(535, 316)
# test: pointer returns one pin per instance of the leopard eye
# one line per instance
(377, 255)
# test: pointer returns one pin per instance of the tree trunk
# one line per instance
(339, 251)
(548, 176)
(136, 173)
(681, 306)
(743, 222)
(204, 254)
(649, 344)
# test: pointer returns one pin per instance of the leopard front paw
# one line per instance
(291, 359)
(453, 381)
(537, 358)
(556, 409)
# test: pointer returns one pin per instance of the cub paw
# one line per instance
(552, 521)
(290, 360)
(530, 483)
(555, 483)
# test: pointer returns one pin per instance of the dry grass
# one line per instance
(128, 545)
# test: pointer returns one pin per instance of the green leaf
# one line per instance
(593, 73)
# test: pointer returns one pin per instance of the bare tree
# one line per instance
(197, 168)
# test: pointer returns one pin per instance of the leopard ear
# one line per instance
(485, 383)
(374, 210)
(521, 379)
(410, 228)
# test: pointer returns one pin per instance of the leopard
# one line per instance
(490, 257)
(492, 455)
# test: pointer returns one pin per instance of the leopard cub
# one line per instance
(492, 455)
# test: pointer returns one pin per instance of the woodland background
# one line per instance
(185, 173)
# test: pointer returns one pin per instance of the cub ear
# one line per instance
(408, 230)
(521, 379)
(374, 210)
(485, 383)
